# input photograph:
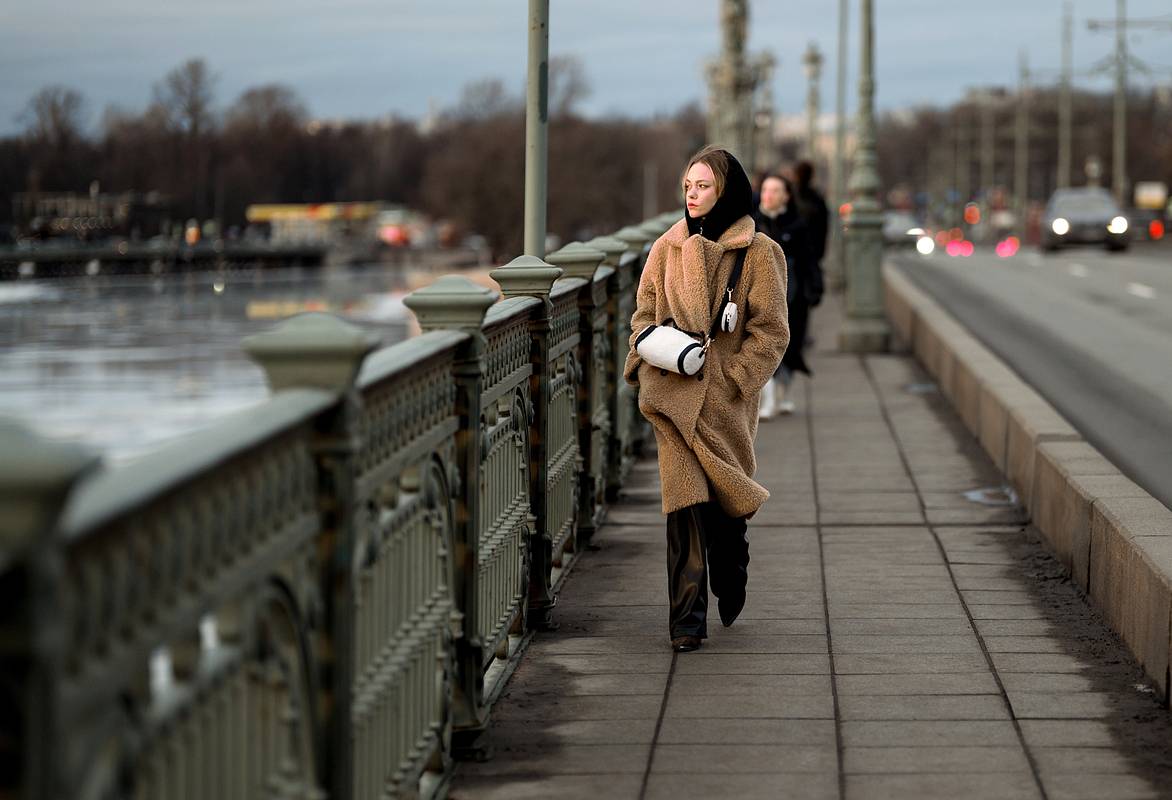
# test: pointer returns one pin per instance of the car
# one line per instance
(1085, 215)
(901, 229)
(1146, 223)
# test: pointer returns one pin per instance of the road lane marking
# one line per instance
(1079, 271)
(1141, 290)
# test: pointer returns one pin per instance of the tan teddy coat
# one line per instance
(705, 424)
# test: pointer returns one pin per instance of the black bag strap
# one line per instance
(734, 276)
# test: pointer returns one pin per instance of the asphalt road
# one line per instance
(1091, 331)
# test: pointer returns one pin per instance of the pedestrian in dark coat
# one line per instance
(813, 210)
(705, 424)
(778, 218)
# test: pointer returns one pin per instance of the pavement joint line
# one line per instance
(1026, 750)
(658, 726)
(838, 737)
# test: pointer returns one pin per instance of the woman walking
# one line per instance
(705, 423)
(778, 218)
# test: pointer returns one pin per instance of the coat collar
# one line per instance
(739, 234)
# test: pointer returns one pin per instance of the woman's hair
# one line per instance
(804, 173)
(717, 160)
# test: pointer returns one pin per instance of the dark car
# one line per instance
(1086, 215)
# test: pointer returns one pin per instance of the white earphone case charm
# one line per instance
(728, 319)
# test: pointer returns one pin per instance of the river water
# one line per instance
(123, 364)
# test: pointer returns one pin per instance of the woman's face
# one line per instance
(773, 195)
(699, 189)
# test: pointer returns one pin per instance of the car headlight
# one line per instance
(1118, 225)
(925, 246)
(1060, 226)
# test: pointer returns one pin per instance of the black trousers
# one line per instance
(704, 546)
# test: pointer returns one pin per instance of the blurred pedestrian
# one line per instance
(813, 210)
(777, 217)
(705, 423)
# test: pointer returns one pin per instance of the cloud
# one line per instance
(369, 57)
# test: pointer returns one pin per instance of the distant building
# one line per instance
(330, 223)
(91, 217)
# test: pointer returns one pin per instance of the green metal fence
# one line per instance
(321, 596)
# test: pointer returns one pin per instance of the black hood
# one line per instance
(736, 202)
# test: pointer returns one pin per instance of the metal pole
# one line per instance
(812, 61)
(537, 128)
(1021, 145)
(837, 264)
(865, 329)
(988, 157)
(1119, 165)
(963, 167)
(650, 189)
(1064, 100)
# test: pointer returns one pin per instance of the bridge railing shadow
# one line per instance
(322, 595)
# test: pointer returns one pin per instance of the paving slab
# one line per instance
(982, 682)
(473, 786)
(958, 786)
(929, 733)
(722, 730)
(919, 706)
(744, 758)
(808, 786)
(943, 759)
(1098, 787)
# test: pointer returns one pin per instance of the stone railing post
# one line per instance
(320, 351)
(654, 228)
(36, 478)
(630, 422)
(532, 277)
(455, 303)
(618, 333)
(594, 356)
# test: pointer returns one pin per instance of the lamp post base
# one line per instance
(864, 336)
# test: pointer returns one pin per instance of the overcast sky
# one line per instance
(368, 58)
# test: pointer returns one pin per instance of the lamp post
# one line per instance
(835, 275)
(537, 128)
(865, 329)
(812, 64)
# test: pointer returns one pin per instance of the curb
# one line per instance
(1114, 538)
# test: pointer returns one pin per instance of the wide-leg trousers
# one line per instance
(704, 546)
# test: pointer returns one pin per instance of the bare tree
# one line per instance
(184, 99)
(568, 85)
(267, 106)
(485, 99)
(59, 154)
(53, 117)
(186, 95)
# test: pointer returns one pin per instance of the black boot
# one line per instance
(728, 560)
(687, 579)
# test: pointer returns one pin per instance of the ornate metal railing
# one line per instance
(323, 595)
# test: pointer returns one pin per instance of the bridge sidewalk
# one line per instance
(899, 640)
